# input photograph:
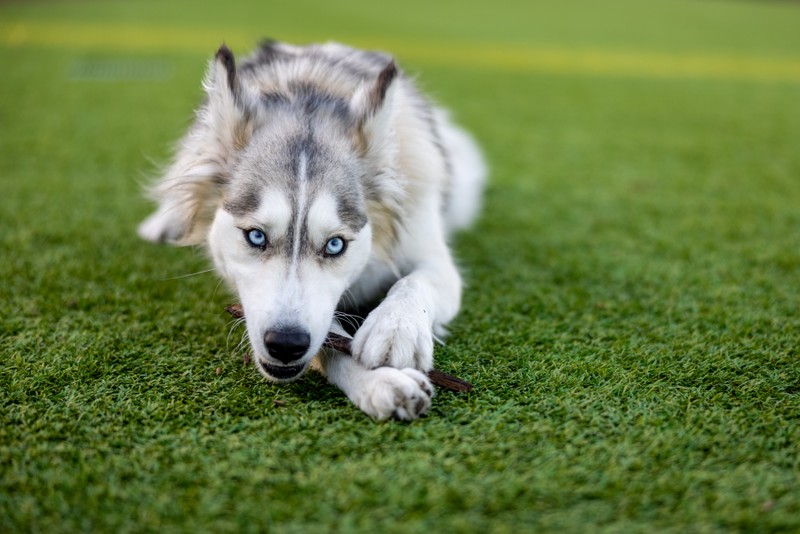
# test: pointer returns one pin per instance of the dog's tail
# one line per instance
(469, 174)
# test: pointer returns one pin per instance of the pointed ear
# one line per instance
(228, 108)
(370, 96)
(372, 106)
(191, 190)
(221, 82)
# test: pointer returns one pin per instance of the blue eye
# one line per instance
(256, 238)
(335, 246)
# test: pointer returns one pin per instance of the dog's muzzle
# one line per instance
(287, 345)
(282, 372)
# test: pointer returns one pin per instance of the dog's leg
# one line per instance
(164, 225)
(400, 331)
(381, 393)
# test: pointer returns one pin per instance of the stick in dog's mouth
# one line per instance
(343, 344)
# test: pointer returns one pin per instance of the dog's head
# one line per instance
(283, 188)
(291, 243)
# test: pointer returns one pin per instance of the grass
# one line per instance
(631, 322)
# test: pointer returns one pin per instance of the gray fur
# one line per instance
(272, 161)
(345, 146)
(245, 201)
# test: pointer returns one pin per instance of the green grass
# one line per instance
(631, 321)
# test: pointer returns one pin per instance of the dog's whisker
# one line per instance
(187, 275)
(349, 298)
(349, 319)
(234, 325)
(216, 287)
(242, 343)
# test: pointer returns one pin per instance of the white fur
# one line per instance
(398, 151)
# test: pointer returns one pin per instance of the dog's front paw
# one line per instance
(163, 226)
(404, 394)
(391, 337)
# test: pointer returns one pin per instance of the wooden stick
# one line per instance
(343, 344)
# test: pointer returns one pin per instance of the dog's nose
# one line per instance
(287, 345)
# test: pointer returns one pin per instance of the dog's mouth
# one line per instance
(282, 372)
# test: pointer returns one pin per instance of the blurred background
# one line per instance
(630, 318)
(124, 63)
(638, 118)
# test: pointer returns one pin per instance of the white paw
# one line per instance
(160, 227)
(404, 394)
(395, 337)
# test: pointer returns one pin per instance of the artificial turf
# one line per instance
(630, 321)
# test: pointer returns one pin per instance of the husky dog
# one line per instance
(318, 178)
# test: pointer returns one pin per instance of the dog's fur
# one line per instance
(304, 145)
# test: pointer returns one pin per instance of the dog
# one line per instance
(320, 179)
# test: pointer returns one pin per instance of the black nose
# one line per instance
(287, 345)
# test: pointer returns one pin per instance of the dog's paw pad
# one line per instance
(403, 394)
(421, 379)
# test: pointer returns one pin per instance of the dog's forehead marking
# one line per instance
(281, 179)
(300, 210)
(323, 218)
(243, 202)
(274, 213)
(267, 208)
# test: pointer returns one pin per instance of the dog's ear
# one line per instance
(373, 106)
(228, 110)
(191, 190)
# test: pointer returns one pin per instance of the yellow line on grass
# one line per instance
(514, 58)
